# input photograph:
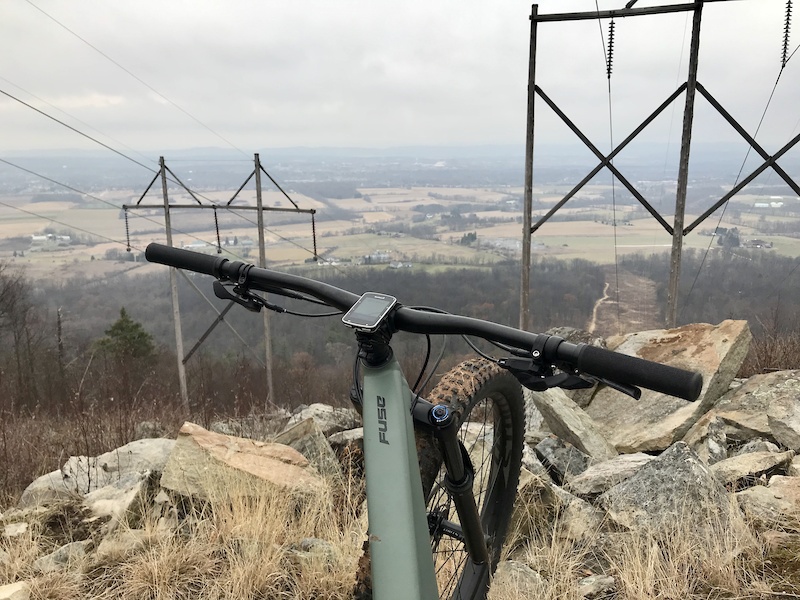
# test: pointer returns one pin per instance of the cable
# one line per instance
(738, 175)
(137, 78)
(78, 131)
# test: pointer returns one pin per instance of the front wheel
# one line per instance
(489, 406)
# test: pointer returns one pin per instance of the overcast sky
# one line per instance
(268, 73)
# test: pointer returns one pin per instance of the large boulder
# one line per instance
(211, 466)
(82, 475)
(674, 488)
(601, 477)
(656, 420)
(330, 420)
(752, 410)
(570, 423)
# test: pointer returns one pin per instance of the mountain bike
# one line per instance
(442, 471)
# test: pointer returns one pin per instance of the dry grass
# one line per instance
(679, 562)
(259, 543)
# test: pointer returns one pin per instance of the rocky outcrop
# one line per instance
(656, 421)
(209, 465)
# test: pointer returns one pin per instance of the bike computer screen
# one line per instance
(369, 311)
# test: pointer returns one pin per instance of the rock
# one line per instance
(307, 438)
(312, 551)
(329, 419)
(532, 463)
(714, 444)
(739, 470)
(122, 544)
(81, 474)
(561, 460)
(62, 558)
(656, 420)
(757, 445)
(123, 501)
(534, 422)
(254, 427)
(13, 530)
(340, 440)
(514, 579)
(774, 506)
(596, 586)
(601, 477)
(794, 468)
(744, 410)
(570, 423)
(146, 430)
(783, 418)
(676, 487)
(540, 503)
(15, 591)
(208, 466)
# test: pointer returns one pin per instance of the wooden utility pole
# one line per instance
(173, 281)
(262, 262)
(527, 211)
(683, 172)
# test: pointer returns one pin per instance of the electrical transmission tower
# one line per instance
(260, 209)
(691, 87)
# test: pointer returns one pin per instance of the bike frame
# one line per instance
(399, 540)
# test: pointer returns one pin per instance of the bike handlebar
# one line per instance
(591, 360)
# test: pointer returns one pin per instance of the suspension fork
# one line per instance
(460, 474)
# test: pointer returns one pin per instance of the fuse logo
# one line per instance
(383, 426)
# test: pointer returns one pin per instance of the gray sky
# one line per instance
(268, 73)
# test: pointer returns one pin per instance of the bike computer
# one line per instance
(369, 311)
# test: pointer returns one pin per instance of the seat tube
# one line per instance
(399, 540)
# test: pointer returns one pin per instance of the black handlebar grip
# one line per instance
(182, 259)
(635, 371)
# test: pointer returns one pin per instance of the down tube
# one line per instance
(399, 542)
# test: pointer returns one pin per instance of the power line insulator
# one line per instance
(786, 29)
(610, 54)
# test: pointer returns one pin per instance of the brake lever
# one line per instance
(241, 296)
(539, 377)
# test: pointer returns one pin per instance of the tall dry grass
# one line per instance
(261, 542)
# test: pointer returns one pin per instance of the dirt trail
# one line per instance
(637, 310)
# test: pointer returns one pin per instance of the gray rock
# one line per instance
(81, 474)
(656, 420)
(329, 419)
(122, 501)
(783, 417)
(676, 487)
(794, 468)
(13, 530)
(774, 506)
(62, 558)
(540, 504)
(757, 445)
(514, 579)
(255, 427)
(742, 470)
(744, 409)
(561, 460)
(596, 585)
(532, 463)
(307, 438)
(146, 430)
(571, 423)
(601, 477)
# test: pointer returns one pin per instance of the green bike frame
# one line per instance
(399, 540)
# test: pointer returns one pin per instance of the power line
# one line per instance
(78, 131)
(137, 78)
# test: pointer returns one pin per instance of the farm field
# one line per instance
(419, 226)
